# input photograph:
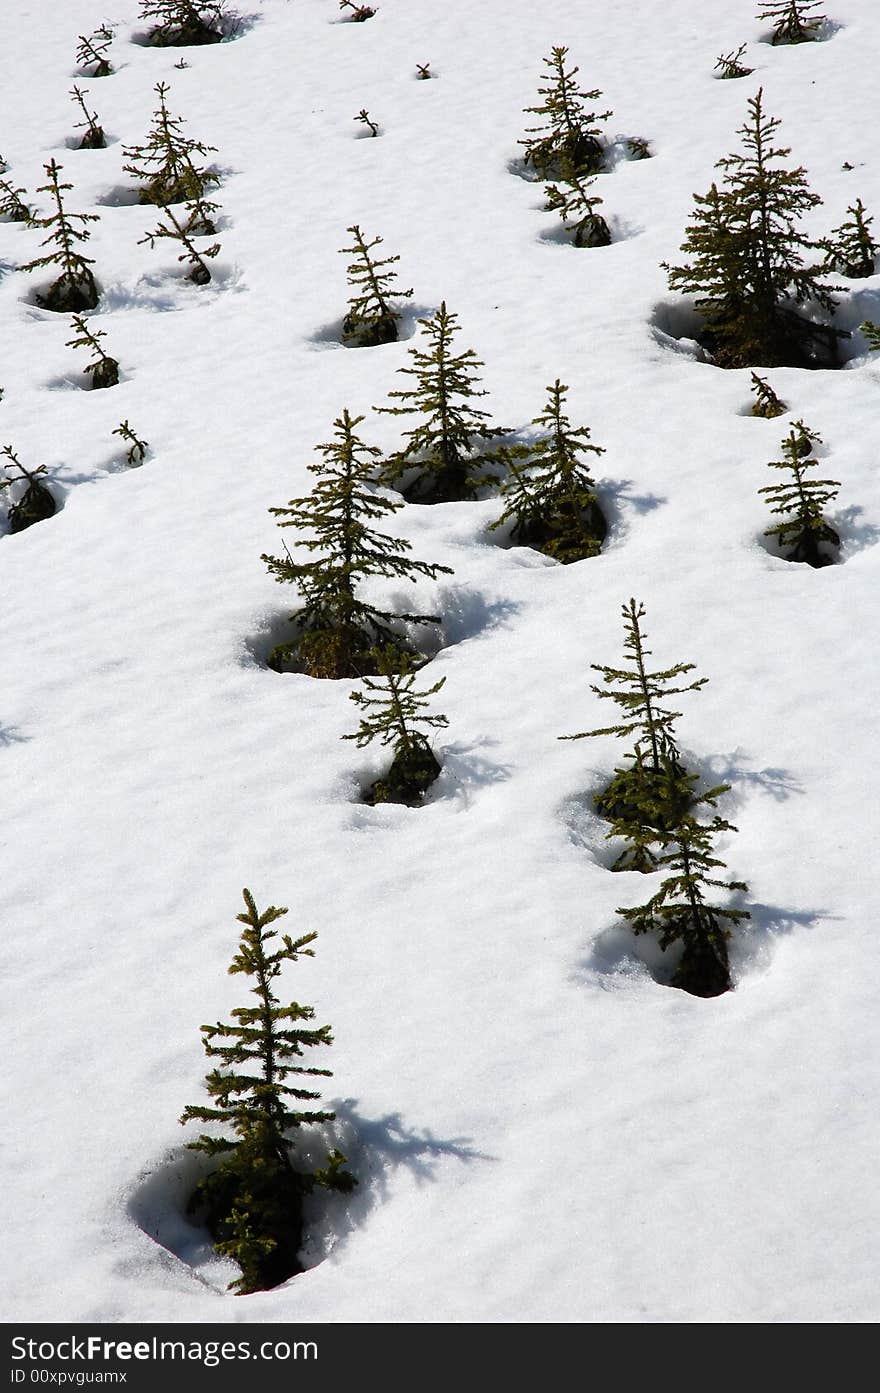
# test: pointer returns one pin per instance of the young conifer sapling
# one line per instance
(182, 233)
(550, 495)
(11, 204)
(871, 332)
(799, 500)
(356, 13)
(169, 165)
(137, 449)
(680, 912)
(445, 446)
(371, 318)
(103, 370)
(75, 288)
(568, 134)
(730, 65)
(252, 1201)
(94, 138)
(35, 503)
(91, 54)
(766, 403)
(423, 71)
(363, 117)
(338, 631)
(183, 22)
(794, 21)
(572, 199)
(851, 249)
(393, 711)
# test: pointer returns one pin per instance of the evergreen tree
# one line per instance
(793, 20)
(103, 370)
(767, 403)
(363, 117)
(183, 22)
(871, 332)
(572, 200)
(337, 630)
(253, 1200)
(746, 269)
(731, 66)
(137, 449)
(92, 52)
(358, 12)
(444, 446)
(569, 135)
(11, 205)
(392, 712)
(35, 503)
(94, 138)
(551, 495)
(800, 501)
(75, 288)
(653, 789)
(371, 319)
(679, 912)
(168, 161)
(851, 249)
(183, 232)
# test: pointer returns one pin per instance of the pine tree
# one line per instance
(731, 66)
(793, 20)
(92, 52)
(747, 272)
(253, 1200)
(392, 714)
(183, 22)
(104, 370)
(572, 200)
(569, 135)
(358, 12)
(767, 403)
(94, 138)
(168, 161)
(137, 449)
(444, 446)
(337, 631)
(550, 494)
(371, 319)
(11, 205)
(75, 288)
(36, 503)
(678, 912)
(654, 789)
(800, 500)
(183, 232)
(363, 117)
(851, 249)
(871, 332)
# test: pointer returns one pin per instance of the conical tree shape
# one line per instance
(800, 500)
(678, 912)
(568, 134)
(550, 494)
(103, 370)
(169, 165)
(75, 288)
(371, 318)
(767, 403)
(337, 629)
(851, 249)
(572, 199)
(794, 21)
(253, 1200)
(35, 503)
(393, 710)
(444, 446)
(91, 54)
(747, 270)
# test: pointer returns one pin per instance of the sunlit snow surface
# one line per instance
(542, 1129)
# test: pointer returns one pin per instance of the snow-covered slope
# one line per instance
(542, 1130)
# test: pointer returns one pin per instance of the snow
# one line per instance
(542, 1131)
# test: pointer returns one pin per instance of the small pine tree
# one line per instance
(137, 449)
(423, 72)
(183, 22)
(569, 135)
(182, 232)
(654, 789)
(851, 249)
(104, 370)
(871, 332)
(678, 912)
(730, 65)
(444, 446)
(75, 288)
(253, 1200)
(370, 319)
(358, 12)
(36, 503)
(94, 138)
(363, 117)
(91, 55)
(746, 269)
(338, 632)
(168, 161)
(11, 204)
(572, 200)
(800, 501)
(767, 403)
(392, 714)
(550, 494)
(793, 20)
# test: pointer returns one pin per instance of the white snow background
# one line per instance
(542, 1130)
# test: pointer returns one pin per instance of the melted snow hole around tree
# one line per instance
(679, 327)
(265, 648)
